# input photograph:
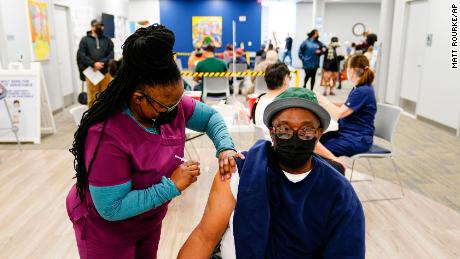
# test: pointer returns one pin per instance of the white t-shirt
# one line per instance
(227, 247)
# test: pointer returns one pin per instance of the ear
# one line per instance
(319, 133)
(137, 97)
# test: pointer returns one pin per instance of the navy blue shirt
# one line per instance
(361, 122)
(318, 217)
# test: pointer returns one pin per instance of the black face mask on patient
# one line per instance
(294, 152)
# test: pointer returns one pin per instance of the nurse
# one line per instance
(355, 116)
(127, 151)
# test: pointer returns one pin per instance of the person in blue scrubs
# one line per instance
(284, 201)
(355, 116)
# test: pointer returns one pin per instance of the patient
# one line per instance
(284, 201)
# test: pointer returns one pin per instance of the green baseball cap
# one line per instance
(297, 98)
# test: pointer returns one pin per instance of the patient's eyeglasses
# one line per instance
(285, 132)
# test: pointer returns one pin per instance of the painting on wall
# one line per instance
(207, 30)
(39, 30)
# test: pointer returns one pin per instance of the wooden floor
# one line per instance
(424, 224)
(34, 224)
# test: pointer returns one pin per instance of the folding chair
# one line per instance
(215, 85)
(261, 85)
(386, 120)
(77, 113)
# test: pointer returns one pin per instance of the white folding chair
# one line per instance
(77, 113)
(13, 128)
(261, 85)
(239, 67)
(386, 120)
(215, 85)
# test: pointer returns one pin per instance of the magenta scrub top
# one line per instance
(128, 152)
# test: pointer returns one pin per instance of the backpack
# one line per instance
(83, 96)
(253, 111)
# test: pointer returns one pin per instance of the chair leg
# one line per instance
(352, 169)
(399, 182)
(371, 168)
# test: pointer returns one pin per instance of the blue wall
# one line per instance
(177, 16)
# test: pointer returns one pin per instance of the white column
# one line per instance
(384, 37)
(303, 24)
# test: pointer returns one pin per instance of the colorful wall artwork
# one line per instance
(39, 30)
(207, 30)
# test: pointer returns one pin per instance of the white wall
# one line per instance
(339, 19)
(140, 10)
(303, 24)
(439, 92)
(281, 19)
(15, 32)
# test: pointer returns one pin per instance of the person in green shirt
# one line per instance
(210, 64)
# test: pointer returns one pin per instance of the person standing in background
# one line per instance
(287, 49)
(309, 52)
(331, 66)
(95, 50)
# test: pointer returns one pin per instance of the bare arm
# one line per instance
(337, 112)
(213, 224)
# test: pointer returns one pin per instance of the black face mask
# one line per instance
(99, 31)
(295, 152)
(165, 117)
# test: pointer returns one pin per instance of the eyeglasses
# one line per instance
(168, 108)
(285, 132)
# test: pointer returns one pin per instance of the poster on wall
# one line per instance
(207, 30)
(39, 29)
(23, 100)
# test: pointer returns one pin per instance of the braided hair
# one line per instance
(147, 62)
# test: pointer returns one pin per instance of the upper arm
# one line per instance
(356, 99)
(219, 208)
(199, 118)
(214, 222)
(344, 111)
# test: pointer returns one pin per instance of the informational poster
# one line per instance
(207, 30)
(39, 29)
(23, 101)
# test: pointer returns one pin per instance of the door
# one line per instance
(64, 54)
(414, 50)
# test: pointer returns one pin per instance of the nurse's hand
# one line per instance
(227, 163)
(186, 174)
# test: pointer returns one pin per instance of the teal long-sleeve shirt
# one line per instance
(119, 202)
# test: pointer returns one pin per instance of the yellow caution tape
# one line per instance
(236, 74)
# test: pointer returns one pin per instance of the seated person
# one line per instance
(272, 58)
(284, 201)
(194, 58)
(210, 64)
(355, 116)
(240, 58)
(277, 79)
